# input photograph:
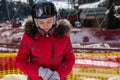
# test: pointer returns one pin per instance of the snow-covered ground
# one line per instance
(10, 37)
(14, 77)
(23, 77)
(81, 38)
(95, 38)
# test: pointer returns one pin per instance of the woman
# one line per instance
(45, 52)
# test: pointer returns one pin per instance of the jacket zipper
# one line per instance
(52, 61)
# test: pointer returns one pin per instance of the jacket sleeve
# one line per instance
(68, 61)
(22, 59)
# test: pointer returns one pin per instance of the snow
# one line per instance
(6, 33)
(60, 4)
(64, 4)
(91, 5)
(14, 77)
(23, 77)
(10, 36)
(95, 40)
(114, 78)
(98, 45)
(82, 38)
(89, 79)
(97, 63)
(17, 35)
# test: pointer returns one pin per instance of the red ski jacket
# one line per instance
(50, 52)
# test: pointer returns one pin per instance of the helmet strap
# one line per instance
(54, 20)
(36, 23)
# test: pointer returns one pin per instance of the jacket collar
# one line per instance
(47, 34)
(62, 28)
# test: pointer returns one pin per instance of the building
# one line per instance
(86, 1)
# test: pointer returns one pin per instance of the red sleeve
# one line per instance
(69, 60)
(22, 58)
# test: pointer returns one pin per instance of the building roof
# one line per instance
(92, 11)
(89, 12)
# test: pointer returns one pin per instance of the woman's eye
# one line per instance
(40, 22)
(49, 21)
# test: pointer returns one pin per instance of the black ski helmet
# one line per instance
(43, 9)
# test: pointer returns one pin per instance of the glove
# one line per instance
(55, 76)
(45, 73)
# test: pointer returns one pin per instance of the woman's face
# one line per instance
(45, 24)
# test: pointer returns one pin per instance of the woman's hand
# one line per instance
(45, 73)
(55, 76)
